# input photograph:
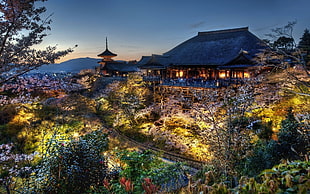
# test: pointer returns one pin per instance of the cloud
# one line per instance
(198, 24)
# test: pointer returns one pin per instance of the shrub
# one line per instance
(73, 166)
(145, 172)
(291, 145)
(293, 177)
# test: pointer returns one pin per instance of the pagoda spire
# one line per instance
(107, 55)
(106, 43)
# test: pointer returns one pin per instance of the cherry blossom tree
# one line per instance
(285, 57)
(13, 165)
(21, 28)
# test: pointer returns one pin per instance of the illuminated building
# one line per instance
(223, 55)
(109, 67)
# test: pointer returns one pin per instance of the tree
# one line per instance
(293, 143)
(13, 165)
(304, 45)
(284, 47)
(226, 127)
(127, 99)
(288, 58)
(285, 43)
(21, 28)
(70, 166)
(285, 31)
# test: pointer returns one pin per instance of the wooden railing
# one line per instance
(201, 83)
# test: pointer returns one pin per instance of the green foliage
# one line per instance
(105, 111)
(28, 125)
(293, 177)
(138, 166)
(7, 113)
(291, 145)
(71, 167)
(126, 99)
(264, 155)
(304, 45)
(209, 175)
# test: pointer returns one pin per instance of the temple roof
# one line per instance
(121, 66)
(153, 62)
(214, 48)
(106, 53)
(144, 60)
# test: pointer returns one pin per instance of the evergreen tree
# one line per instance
(292, 144)
(284, 43)
(304, 45)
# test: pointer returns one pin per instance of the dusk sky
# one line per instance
(143, 27)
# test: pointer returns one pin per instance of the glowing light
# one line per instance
(75, 135)
(246, 75)
(181, 73)
(222, 74)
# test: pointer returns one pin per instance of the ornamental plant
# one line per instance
(147, 173)
(127, 184)
(149, 187)
(291, 177)
(292, 144)
(72, 166)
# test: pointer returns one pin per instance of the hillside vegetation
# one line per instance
(61, 138)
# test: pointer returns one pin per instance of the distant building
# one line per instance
(109, 67)
(222, 56)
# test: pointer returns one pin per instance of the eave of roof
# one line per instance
(106, 53)
(121, 67)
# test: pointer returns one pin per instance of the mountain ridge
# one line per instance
(69, 66)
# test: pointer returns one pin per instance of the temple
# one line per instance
(109, 67)
(214, 57)
(209, 59)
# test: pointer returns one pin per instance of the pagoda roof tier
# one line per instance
(107, 53)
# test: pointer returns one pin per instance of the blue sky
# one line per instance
(143, 27)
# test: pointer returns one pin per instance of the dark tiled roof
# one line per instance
(144, 60)
(154, 62)
(216, 47)
(106, 53)
(121, 67)
(242, 58)
(235, 66)
(213, 48)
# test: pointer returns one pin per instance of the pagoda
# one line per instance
(106, 55)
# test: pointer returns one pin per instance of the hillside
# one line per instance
(73, 66)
